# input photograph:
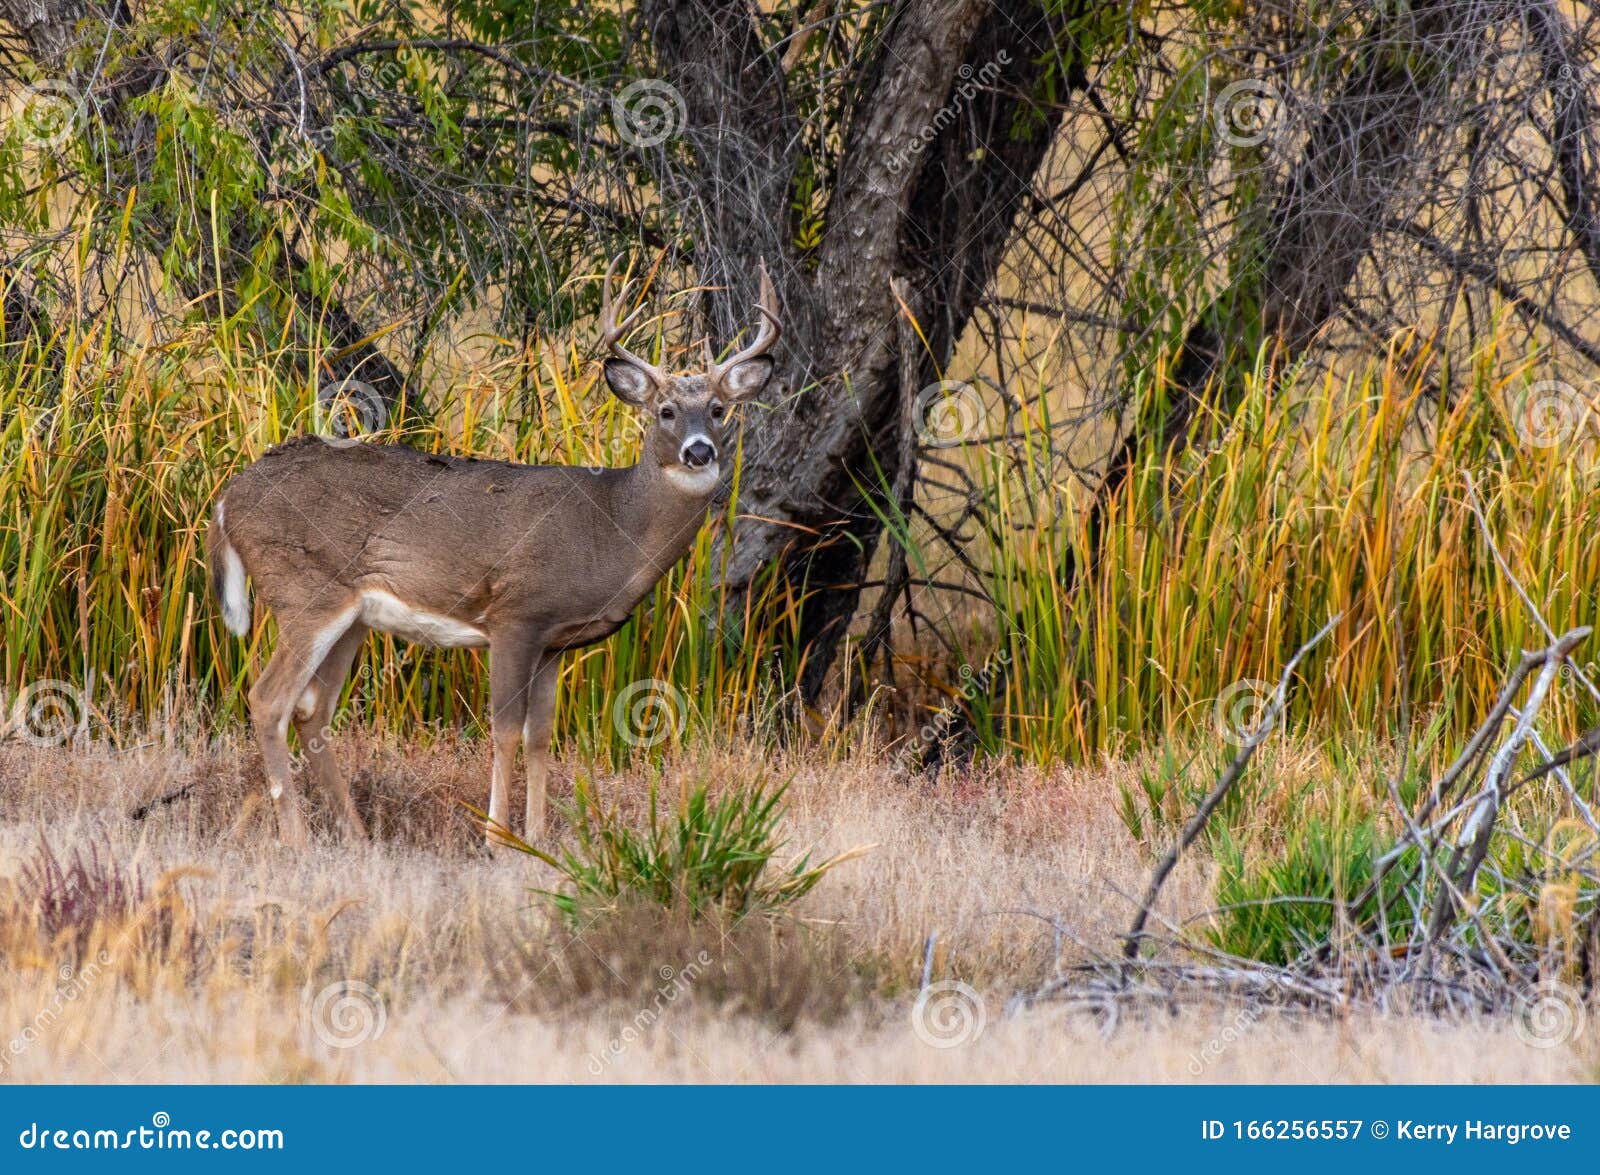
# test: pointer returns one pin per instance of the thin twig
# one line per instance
(1198, 821)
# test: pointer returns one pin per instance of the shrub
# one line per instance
(713, 853)
(1278, 905)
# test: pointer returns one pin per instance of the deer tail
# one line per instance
(227, 574)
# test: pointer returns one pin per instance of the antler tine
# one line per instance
(612, 331)
(768, 334)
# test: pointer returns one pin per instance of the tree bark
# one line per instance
(745, 140)
(349, 353)
(1325, 217)
(932, 174)
(47, 27)
(1572, 139)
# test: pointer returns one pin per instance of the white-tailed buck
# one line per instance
(525, 560)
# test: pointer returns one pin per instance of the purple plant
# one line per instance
(73, 899)
(77, 894)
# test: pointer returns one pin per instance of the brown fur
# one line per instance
(340, 538)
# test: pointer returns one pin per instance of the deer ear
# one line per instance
(629, 384)
(744, 380)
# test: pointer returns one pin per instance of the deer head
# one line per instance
(689, 414)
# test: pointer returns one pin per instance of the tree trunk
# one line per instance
(1572, 139)
(745, 138)
(349, 353)
(933, 172)
(1321, 225)
(47, 27)
(25, 324)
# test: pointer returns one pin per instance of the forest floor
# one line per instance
(189, 946)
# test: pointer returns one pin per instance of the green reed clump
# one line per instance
(712, 853)
(1319, 497)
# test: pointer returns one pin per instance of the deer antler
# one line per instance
(611, 331)
(771, 330)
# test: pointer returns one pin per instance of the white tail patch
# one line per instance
(235, 593)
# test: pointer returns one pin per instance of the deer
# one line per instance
(528, 561)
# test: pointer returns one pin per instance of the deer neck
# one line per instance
(660, 512)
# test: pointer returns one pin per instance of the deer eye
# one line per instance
(717, 409)
(668, 412)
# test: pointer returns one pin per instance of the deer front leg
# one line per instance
(511, 660)
(536, 731)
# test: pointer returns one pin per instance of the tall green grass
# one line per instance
(1322, 496)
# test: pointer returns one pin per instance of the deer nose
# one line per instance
(698, 452)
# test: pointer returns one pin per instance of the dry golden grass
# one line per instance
(244, 961)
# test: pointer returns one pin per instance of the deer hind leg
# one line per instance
(511, 663)
(536, 730)
(302, 645)
(313, 716)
